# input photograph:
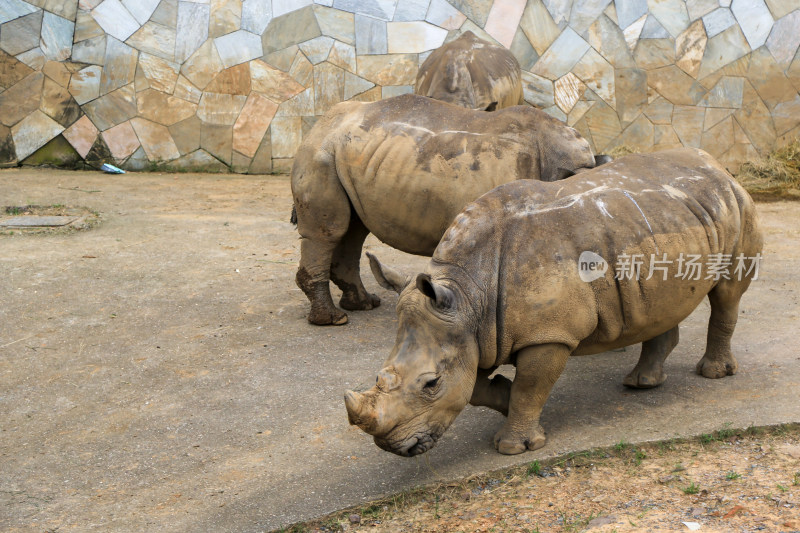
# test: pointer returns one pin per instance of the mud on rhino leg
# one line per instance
(317, 288)
(649, 371)
(718, 360)
(345, 269)
(538, 368)
(493, 393)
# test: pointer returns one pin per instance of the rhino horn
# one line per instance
(354, 402)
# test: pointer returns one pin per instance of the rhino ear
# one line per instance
(387, 277)
(442, 297)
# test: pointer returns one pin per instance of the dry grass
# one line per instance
(776, 176)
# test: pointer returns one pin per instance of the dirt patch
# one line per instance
(746, 480)
(46, 219)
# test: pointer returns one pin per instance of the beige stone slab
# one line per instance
(664, 135)
(372, 95)
(186, 135)
(603, 124)
(675, 85)
(598, 75)
(328, 90)
(688, 124)
(690, 47)
(218, 141)
(12, 70)
(303, 71)
(112, 109)
(578, 111)
(82, 135)
(659, 111)
(392, 69)
(84, 85)
(22, 99)
(163, 108)
(86, 27)
(220, 109)
(336, 23)
(185, 90)
(120, 66)
(715, 115)
(286, 133)
(57, 72)
(33, 132)
(568, 90)
(724, 48)
(786, 115)
(300, 105)
(262, 162)
(769, 80)
(606, 37)
(226, 17)
(538, 91)
(121, 140)
(58, 104)
(234, 80)
(639, 135)
(631, 93)
(156, 140)
(203, 65)
(252, 124)
(273, 83)
(161, 75)
(344, 56)
(155, 39)
(719, 139)
(738, 154)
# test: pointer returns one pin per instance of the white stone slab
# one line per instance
(12, 9)
(115, 20)
(238, 47)
(192, 31)
(755, 20)
(718, 21)
(57, 34)
(256, 15)
(413, 37)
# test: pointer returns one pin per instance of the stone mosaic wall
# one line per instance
(216, 84)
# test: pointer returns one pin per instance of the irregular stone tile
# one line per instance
(523, 51)
(317, 49)
(781, 8)
(81, 135)
(381, 9)
(22, 99)
(115, 20)
(220, 109)
(339, 25)
(397, 69)
(699, 8)
(121, 140)
(605, 37)
(503, 19)
(675, 85)
(161, 75)
(371, 37)
(784, 40)
(281, 7)
(166, 14)
(203, 66)
(33, 132)
(672, 14)
(91, 51)
(286, 134)
(718, 21)
(739, 136)
(446, 16)
(726, 93)
(562, 55)
(568, 90)
(140, 82)
(225, 17)
(262, 162)
(768, 79)
(120, 66)
(303, 71)
(33, 58)
(308, 123)
(585, 12)
(603, 123)
(598, 75)
(538, 91)
(786, 115)
(21, 34)
(13, 9)
(256, 15)
(715, 115)
(740, 67)
(88, 5)
(85, 84)
(86, 27)
(186, 135)
(719, 139)
(137, 162)
(471, 26)
(156, 140)
(272, 83)
(578, 111)
(218, 141)
(659, 111)
(354, 85)
(631, 93)
(690, 47)
(282, 59)
(390, 91)
(652, 29)
(629, 11)
(186, 91)
(12, 70)
(57, 72)
(56, 153)
(238, 47)
(8, 154)
(632, 32)
(737, 155)
(234, 80)
(192, 29)
(754, 19)
(556, 113)
(722, 49)
(112, 109)
(141, 10)
(290, 29)
(163, 108)
(664, 137)
(410, 10)
(58, 104)
(372, 95)
(198, 161)
(415, 37)
(342, 55)
(300, 105)
(252, 124)
(328, 89)
(639, 135)
(688, 124)
(282, 166)
(155, 39)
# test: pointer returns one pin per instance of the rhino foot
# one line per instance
(715, 368)
(352, 302)
(509, 442)
(638, 379)
(327, 317)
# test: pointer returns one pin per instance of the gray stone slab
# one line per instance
(371, 37)
(115, 19)
(192, 29)
(629, 11)
(37, 221)
(718, 21)
(410, 10)
(57, 35)
(382, 9)
(755, 20)
(21, 34)
(256, 15)
(12, 9)
(653, 30)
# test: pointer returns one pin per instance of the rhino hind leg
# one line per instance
(718, 360)
(345, 269)
(649, 371)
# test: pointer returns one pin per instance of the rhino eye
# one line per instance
(430, 384)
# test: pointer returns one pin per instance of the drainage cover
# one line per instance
(37, 221)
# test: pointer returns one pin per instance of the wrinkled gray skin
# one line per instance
(402, 169)
(503, 287)
(472, 73)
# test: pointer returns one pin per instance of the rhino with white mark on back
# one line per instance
(504, 287)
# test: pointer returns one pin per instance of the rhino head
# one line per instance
(429, 375)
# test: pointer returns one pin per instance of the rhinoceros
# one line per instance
(507, 285)
(473, 73)
(402, 168)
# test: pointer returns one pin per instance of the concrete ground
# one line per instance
(157, 372)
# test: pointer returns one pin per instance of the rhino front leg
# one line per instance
(649, 371)
(538, 368)
(718, 360)
(493, 393)
(345, 271)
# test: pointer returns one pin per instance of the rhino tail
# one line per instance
(293, 218)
